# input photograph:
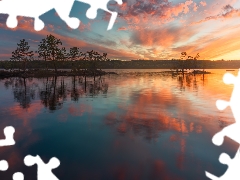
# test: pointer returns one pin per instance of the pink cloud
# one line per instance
(144, 14)
(228, 12)
(203, 3)
(84, 27)
(122, 29)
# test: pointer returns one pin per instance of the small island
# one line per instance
(53, 60)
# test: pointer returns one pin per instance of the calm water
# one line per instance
(137, 125)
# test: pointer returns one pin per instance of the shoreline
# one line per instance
(49, 73)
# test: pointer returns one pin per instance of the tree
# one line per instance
(195, 60)
(53, 49)
(43, 51)
(104, 57)
(75, 54)
(62, 54)
(197, 56)
(182, 63)
(22, 53)
(95, 57)
(183, 55)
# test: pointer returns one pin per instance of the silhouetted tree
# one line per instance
(54, 50)
(183, 55)
(62, 54)
(75, 55)
(195, 60)
(22, 53)
(43, 51)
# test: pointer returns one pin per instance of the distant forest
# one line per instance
(134, 64)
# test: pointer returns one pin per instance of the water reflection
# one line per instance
(52, 94)
(23, 90)
(190, 81)
(54, 91)
(144, 125)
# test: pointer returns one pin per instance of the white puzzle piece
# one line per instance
(18, 176)
(26, 8)
(8, 132)
(44, 170)
(3, 165)
(100, 4)
(232, 131)
(233, 172)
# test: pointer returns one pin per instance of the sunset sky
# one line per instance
(145, 29)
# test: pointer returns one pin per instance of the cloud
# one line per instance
(85, 27)
(228, 12)
(203, 3)
(165, 37)
(214, 45)
(122, 29)
(141, 14)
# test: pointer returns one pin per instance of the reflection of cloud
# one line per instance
(83, 108)
(150, 113)
(26, 115)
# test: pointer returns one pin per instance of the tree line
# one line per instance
(51, 49)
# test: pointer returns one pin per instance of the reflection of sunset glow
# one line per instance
(28, 114)
(74, 111)
(150, 110)
(145, 125)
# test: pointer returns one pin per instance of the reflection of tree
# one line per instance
(53, 91)
(96, 87)
(45, 92)
(23, 91)
(53, 95)
(75, 94)
(189, 81)
(74, 91)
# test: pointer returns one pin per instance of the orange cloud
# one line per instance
(203, 3)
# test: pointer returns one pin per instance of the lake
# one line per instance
(140, 124)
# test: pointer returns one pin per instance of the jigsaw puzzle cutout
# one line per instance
(232, 172)
(3, 165)
(18, 176)
(232, 131)
(8, 132)
(97, 4)
(63, 7)
(44, 170)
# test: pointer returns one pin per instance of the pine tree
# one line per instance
(43, 51)
(53, 49)
(22, 53)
